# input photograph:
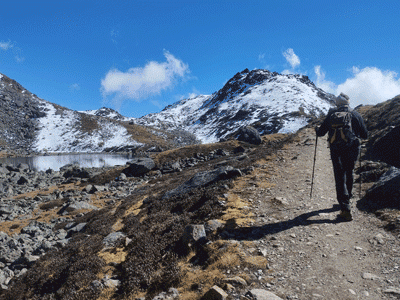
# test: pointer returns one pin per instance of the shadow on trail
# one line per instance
(232, 231)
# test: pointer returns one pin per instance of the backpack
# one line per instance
(340, 122)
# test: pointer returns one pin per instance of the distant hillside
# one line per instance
(29, 124)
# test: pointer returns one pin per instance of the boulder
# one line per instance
(23, 167)
(96, 188)
(112, 239)
(215, 293)
(74, 170)
(204, 179)
(23, 180)
(74, 206)
(193, 234)
(139, 166)
(387, 148)
(249, 135)
(386, 192)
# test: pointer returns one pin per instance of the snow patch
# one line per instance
(60, 132)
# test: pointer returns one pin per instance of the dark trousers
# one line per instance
(343, 160)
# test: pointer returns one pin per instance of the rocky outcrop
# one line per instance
(139, 166)
(19, 113)
(248, 134)
(387, 148)
(383, 124)
(386, 192)
(203, 179)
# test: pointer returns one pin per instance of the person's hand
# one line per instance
(316, 129)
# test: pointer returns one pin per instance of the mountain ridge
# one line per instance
(30, 125)
(270, 102)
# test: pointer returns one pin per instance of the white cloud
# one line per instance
(141, 82)
(370, 86)
(291, 58)
(326, 85)
(114, 35)
(19, 58)
(16, 50)
(6, 45)
(75, 87)
(366, 86)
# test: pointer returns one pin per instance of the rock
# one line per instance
(280, 200)
(387, 148)
(386, 192)
(170, 295)
(139, 166)
(393, 291)
(122, 177)
(370, 276)
(97, 188)
(5, 210)
(78, 228)
(204, 179)
(193, 234)
(73, 206)
(379, 238)
(23, 167)
(110, 283)
(259, 294)
(23, 180)
(249, 135)
(236, 281)
(215, 293)
(239, 149)
(112, 239)
(96, 285)
(171, 167)
(36, 229)
(6, 275)
(213, 225)
(74, 170)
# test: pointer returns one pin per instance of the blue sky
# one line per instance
(139, 56)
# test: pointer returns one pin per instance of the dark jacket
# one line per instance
(357, 124)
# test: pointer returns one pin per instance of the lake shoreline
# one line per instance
(56, 161)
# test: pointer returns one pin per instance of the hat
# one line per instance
(342, 99)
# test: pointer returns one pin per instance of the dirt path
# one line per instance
(311, 254)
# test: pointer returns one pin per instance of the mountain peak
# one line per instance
(269, 101)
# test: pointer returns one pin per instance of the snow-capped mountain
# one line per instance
(270, 102)
(107, 113)
(29, 124)
(65, 130)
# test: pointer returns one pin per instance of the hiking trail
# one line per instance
(311, 254)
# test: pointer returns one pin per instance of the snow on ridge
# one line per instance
(283, 103)
(60, 132)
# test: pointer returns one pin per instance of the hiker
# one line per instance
(345, 127)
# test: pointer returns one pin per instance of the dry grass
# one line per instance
(147, 136)
(154, 260)
(88, 123)
(116, 255)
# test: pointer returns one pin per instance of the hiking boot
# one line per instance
(345, 215)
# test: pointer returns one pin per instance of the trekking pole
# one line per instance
(359, 171)
(315, 156)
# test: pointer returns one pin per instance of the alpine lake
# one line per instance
(55, 162)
